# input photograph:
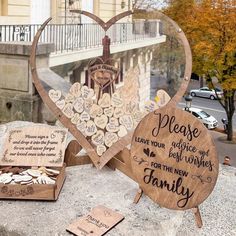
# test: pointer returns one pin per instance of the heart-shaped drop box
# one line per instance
(105, 126)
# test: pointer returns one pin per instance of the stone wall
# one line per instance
(18, 97)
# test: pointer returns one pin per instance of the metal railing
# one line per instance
(73, 37)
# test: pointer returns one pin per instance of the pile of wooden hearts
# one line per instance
(103, 122)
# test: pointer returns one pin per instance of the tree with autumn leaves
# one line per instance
(210, 26)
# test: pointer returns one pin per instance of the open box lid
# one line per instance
(34, 146)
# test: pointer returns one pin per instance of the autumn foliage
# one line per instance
(210, 26)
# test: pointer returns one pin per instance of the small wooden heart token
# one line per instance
(78, 104)
(95, 110)
(162, 98)
(81, 126)
(110, 138)
(75, 89)
(84, 116)
(91, 128)
(116, 100)
(54, 95)
(98, 138)
(68, 110)
(88, 103)
(61, 103)
(87, 92)
(119, 111)
(75, 119)
(101, 121)
(113, 125)
(101, 149)
(127, 121)
(105, 100)
(122, 131)
(69, 98)
(109, 111)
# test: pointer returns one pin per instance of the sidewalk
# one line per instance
(224, 148)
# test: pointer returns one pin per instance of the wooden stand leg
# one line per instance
(138, 196)
(198, 217)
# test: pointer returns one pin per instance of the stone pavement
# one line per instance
(86, 187)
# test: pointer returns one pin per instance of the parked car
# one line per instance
(209, 121)
(206, 93)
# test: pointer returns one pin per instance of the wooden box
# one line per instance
(16, 139)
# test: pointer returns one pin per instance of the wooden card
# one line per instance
(174, 158)
(96, 223)
(34, 146)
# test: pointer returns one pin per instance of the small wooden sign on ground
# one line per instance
(96, 223)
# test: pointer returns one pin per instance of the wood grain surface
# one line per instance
(174, 159)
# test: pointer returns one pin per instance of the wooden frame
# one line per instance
(118, 156)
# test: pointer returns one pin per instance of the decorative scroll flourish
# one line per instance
(5, 159)
(63, 133)
(59, 159)
(11, 133)
(140, 160)
(202, 179)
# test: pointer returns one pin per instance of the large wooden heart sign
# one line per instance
(174, 159)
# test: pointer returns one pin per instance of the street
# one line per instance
(212, 107)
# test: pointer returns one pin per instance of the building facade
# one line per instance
(77, 39)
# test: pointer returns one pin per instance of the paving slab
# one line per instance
(86, 187)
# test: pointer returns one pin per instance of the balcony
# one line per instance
(74, 42)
